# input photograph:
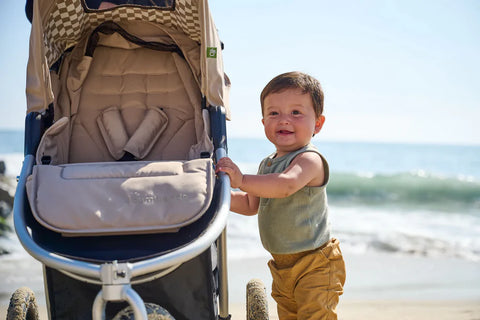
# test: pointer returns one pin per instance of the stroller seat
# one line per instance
(124, 99)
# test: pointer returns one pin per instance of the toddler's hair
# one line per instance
(296, 80)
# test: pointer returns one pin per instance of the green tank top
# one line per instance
(298, 222)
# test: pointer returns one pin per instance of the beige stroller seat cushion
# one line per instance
(120, 197)
(133, 82)
(127, 98)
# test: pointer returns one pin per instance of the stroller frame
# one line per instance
(117, 277)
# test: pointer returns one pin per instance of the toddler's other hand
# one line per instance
(226, 165)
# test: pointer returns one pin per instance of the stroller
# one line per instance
(127, 104)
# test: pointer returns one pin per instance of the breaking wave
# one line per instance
(406, 190)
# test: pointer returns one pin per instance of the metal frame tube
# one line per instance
(98, 308)
(222, 249)
(223, 275)
(127, 294)
(136, 302)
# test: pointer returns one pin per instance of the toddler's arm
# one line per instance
(305, 170)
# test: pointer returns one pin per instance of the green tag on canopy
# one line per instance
(211, 52)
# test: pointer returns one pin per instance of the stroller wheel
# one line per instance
(257, 304)
(154, 312)
(23, 305)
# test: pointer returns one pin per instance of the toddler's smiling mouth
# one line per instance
(284, 132)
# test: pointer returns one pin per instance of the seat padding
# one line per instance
(133, 81)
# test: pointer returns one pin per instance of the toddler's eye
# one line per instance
(273, 113)
(296, 112)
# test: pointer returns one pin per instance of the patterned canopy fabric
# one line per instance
(70, 18)
(58, 25)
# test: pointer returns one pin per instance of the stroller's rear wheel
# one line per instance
(23, 305)
(257, 304)
(154, 312)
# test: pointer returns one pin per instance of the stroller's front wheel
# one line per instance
(154, 312)
(23, 305)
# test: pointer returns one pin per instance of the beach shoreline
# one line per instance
(379, 286)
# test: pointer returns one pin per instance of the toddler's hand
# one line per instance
(226, 165)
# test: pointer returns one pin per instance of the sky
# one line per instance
(392, 71)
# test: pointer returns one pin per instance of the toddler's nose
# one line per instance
(285, 119)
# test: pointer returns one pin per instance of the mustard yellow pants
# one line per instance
(307, 286)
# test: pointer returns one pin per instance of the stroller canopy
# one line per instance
(58, 25)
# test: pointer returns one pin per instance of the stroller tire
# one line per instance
(23, 305)
(154, 312)
(257, 304)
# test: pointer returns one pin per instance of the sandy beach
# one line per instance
(379, 286)
(382, 286)
(392, 310)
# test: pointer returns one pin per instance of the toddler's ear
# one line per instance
(319, 124)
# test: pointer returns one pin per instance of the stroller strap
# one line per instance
(139, 144)
(110, 27)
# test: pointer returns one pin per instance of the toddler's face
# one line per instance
(289, 120)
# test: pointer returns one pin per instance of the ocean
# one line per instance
(399, 199)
